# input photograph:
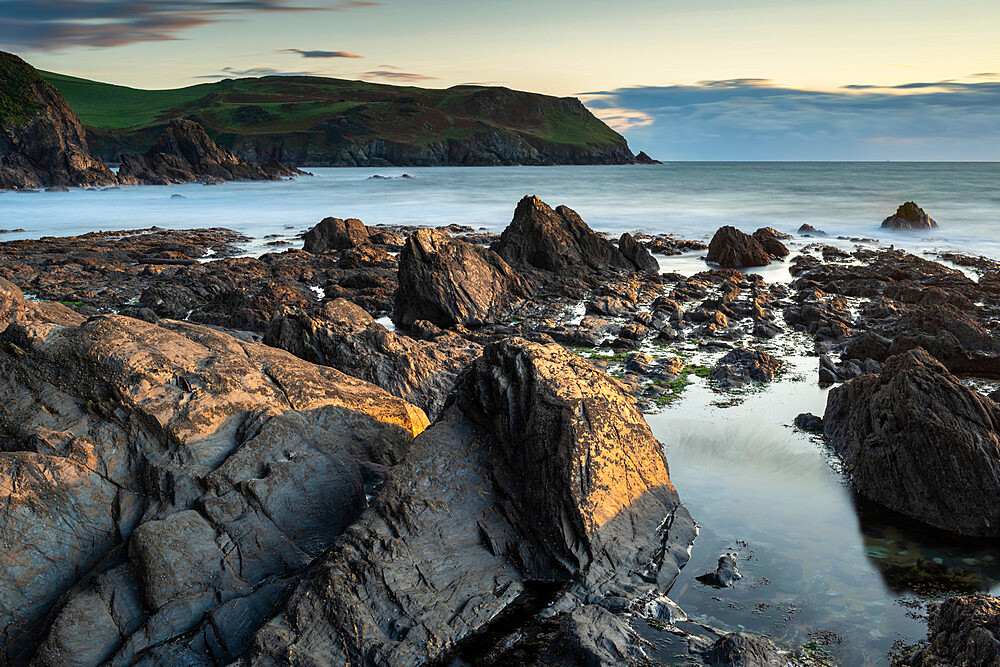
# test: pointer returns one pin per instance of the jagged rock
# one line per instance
(558, 241)
(344, 336)
(335, 234)
(742, 649)
(12, 304)
(730, 248)
(643, 158)
(807, 229)
(636, 253)
(542, 471)
(770, 239)
(114, 429)
(962, 630)
(741, 366)
(921, 443)
(909, 216)
(725, 575)
(447, 281)
(42, 142)
(184, 153)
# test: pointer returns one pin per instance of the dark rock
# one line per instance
(493, 496)
(921, 443)
(741, 366)
(448, 282)
(636, 253)
(909, 216)
(558, 241)
(335, 234)
(807, 421)
(642, 158)
(962, 630)
(42, 142)
(770, 239)
(731, 248)
(726, 573)
(742, 649)
(807, 229)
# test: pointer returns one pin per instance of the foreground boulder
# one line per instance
(732, 249)
(962, 630)
(921, 443)
(447, 282)
(335, 234)
(637, 253)
(343, 335)
(560, 242)
(909, 216)
(541, 477)
(184, 153)
(42, 142)
(163, 485)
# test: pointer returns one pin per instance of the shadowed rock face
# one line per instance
(558, 241)
(184, 153)
(41, 140)
(732, 249)
(542, 471)
(335, 234)
(921, 443)
(447, 281)
(636, 253)
(909, 216)
(770, 240)
(962, 630)
(163, 484)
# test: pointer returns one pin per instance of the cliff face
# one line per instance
(41, 140)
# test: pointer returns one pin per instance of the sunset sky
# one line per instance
(746, 79)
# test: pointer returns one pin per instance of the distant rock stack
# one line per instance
(42, 143)
(909, 216)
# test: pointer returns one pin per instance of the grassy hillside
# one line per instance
(18, 101)
(321, 116)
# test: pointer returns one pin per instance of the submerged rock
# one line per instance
(921, 443)
(447, 281)
(741, 366)
(807, 421)
(742, 649)
(909, 216)
(732, 249)
(726, 573)
(542, 471)
(335, 234)
(962, 630)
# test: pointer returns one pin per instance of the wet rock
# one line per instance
(335, 234)
(770, 239)
(807, 229)
(469, 518)
(742, 649)
(731, 248)
(807, 421)
(636, 253)
(449, 282)
(658, 369)
(962, 630)
(909, 216)
(921, 443)
(12, 304)
(741, 366)
(726, 573)
(557, 241)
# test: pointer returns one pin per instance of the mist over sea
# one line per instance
(689, 199)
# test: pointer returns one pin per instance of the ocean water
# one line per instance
(688, 199)
(820, 565)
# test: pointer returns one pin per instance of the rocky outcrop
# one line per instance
(344, 336)
(770, 240)
(542, 472)
(962, 630)
(448, 281)
(12, 304)
(919, 442)
(42, 143)
(184, 153)
(636, 253)
(558, 241)
(808, 230)
(732, 249)
(335, 234)
(742, 649)
(909, 216)
(643, 158)
(741, 366)
(163, 484)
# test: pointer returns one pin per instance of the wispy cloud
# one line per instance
(322, 54)
(56, 24)
(395, 75)
(759, 119)
(233, 73)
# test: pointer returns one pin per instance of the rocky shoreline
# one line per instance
(413, 446)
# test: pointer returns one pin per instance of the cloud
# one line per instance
(232, 73)
(395, 75)
(50, 25)
(757, 119)
(322, 54)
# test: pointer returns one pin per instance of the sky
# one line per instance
(682, 79)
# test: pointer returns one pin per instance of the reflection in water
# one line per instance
(815, 562)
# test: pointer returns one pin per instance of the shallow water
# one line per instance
(815, 559)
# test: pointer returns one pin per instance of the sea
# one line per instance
(824, 571)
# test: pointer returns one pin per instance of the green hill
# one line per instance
(320, 121)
